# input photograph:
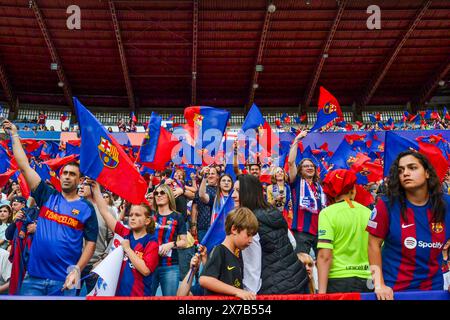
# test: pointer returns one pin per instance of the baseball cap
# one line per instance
(338, 182)
(19, 199)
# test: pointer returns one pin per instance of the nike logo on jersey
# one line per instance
(230, 268)
(406, 225)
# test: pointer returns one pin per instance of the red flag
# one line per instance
(4, 177)
(363, 196)
(24, 186)
(55, 181)
(57, 163)
(359, 124)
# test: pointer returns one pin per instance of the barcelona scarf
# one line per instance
(308, 201)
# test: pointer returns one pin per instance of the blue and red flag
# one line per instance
(395, 144)
(445, 114)
(328, 109)
(206, 127)
(102, 159)
(268, 142)
(63, 117)
(216, 233)
(157, 146)
(133, 117)
(347, 152)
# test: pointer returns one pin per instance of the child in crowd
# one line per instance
(141, 249)
(5, 220)
(223, 273)
(186, 288)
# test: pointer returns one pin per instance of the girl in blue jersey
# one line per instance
(412, 222)
(140, 246)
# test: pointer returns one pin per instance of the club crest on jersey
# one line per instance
(108, 153)
(75, 212)
(198, 119)
(329, 108)
(437, 227)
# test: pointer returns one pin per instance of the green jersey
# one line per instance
(344, 229)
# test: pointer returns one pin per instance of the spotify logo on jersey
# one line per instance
(410, 243)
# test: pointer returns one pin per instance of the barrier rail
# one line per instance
(406, 295)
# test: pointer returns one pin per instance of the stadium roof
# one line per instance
(145, 55)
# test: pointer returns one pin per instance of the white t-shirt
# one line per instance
(5, 267)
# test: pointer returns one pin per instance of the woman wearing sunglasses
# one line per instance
(171, 232)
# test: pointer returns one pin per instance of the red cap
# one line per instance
(338, 182)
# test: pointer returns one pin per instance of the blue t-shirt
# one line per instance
(61, 227)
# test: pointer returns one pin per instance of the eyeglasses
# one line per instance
(159, 193)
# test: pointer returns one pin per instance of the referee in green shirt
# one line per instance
(342, 262)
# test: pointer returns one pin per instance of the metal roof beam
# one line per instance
(194, 53)
(270, 9)
(432, 83)
(324, 54)
(9, 93)
(54, 54)
(379, 76)
(123, 59)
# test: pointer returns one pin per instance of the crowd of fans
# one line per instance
(435, 123)
(296, 234)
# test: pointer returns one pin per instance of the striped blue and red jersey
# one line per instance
(303, 220)
(412, 250)
(168, 228)
(61, 227)
(131, 282)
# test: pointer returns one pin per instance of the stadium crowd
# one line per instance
(289, 231)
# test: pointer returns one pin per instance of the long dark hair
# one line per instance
(395, 191)
(251, 193)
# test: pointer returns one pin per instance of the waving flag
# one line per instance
(4, 177)
(63, 117)
(268, 142)
(445, 114)
(329, 109)
(102, 159)
(216, 233)
(57, 163)
(395, 144)
(304, 118)
(347, 152)
(206, 127)
(157, 146)
(133, 117)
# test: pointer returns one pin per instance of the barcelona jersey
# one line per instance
(131, 282)
(412, 250)
(61, 227)
(168, 228)
(303, 220)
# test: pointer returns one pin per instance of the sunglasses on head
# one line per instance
(159, 193)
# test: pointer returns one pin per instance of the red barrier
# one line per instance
(334, 296)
